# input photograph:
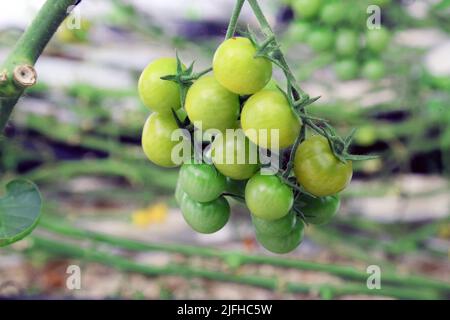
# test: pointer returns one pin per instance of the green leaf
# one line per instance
(20, 211)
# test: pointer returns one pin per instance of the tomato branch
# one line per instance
(18, 72)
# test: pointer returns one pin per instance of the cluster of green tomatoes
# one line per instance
(339, 28)
(240, 94)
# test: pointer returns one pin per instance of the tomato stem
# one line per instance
(18, 70)
(234, 18)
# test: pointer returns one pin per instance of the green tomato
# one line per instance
(377, 40)
(332, 13)
(210, 104)
(267, 197)
(283, 244)
(156, 139)
(235, 156)
(201, 181)
(307, 8)
(276, 228)
(373, 70)
(346, 69)
(160, 95)
(347, 43)
(205, 217)
(272, 85)
(320, 39)
(178, 192)
(299, 31)
(236, 68)
(318, 170)
(267, 113)
(366, 135)
(318, 210)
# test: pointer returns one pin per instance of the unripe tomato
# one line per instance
(300, 31)
(236, 68)
(156, 139)
(318, 210)
(307, 8)
(265, 112)
(267, 197)
(235, 156)
(346, 69)
(332, 13)
(277, 228)
(69, 33)
(285, 243)
(201, 181)
(377, 40)
(205, 217)
(178, 193)
(373, 70)
(321, 39)
(318, 170)
(347, 43)
(160, 95)
(366, 135)
(211, 104)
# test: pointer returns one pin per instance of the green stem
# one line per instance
(342, 271)
(234, 18)
(272, 283)
(268, 32)
(18, 73)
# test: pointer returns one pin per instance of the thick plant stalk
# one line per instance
(271, 283)
(341, 271)
(18, 72)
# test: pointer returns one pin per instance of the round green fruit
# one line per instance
(202, 182)
(318, 210)
(284, 244)
(237, 69)
(160, 95)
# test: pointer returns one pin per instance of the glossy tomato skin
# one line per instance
(206, 217)
(318, 211)
(347, 43)
(283, 244)
(160, 95)
(202, 182)
(277, 228)
(235, 156)
(236, 68)
(179, 193)
(377, 40)
(346, 69)
(212, 105)
(307, 8)
(267, 197)
(318, 170)
(156, 139)
(266, 111)
(373, 70)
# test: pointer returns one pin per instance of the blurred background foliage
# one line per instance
(77, 135)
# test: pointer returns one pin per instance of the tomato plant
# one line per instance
(251, 114)
(377, 40)
(268, 112)
(237, 69)
(268, 197)
(373, 70)
(318, 170)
